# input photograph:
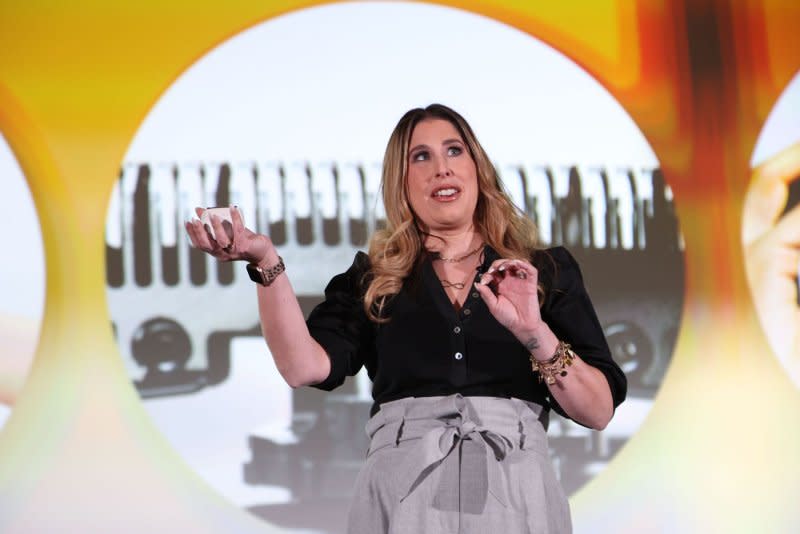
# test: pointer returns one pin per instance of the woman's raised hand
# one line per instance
(772, 253)
(510, 290)
(229, 241)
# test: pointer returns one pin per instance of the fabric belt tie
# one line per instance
(467, 456)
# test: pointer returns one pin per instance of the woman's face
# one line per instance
(442, 179)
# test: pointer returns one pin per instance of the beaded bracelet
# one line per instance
(557, 365)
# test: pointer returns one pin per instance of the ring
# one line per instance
(228, 247)
(522, 275)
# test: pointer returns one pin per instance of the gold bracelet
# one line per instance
(557, 365)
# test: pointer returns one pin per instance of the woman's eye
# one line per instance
(422, 155)
(454, 151)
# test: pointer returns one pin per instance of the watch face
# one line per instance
(256, 275)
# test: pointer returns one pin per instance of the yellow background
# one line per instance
(720, 451)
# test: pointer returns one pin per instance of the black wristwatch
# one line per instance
(265, 276)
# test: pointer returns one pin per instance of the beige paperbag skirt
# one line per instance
(461, 465)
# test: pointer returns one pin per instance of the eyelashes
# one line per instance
(420, 155)
(425, 155)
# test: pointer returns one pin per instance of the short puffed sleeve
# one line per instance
(341, 326)
(569, 313)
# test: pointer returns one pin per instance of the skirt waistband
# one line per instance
(441, 425)
(411, 417)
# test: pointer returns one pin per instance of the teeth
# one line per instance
(445, 192)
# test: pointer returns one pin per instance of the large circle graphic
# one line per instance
(289, 120)
(22, 282)
(771, 229)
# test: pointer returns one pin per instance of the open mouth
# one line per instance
(446, 193)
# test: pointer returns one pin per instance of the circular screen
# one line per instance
(289, 120)
(22, 283)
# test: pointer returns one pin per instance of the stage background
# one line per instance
(88, 93)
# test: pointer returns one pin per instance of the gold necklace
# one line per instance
(459, 258)
(458, 285)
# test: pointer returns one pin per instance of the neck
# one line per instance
(453, 243)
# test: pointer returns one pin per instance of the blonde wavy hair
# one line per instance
(394, 250)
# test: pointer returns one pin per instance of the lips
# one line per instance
(446, 192)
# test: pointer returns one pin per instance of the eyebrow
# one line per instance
(445, 142)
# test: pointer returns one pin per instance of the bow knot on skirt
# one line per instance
(458, 464)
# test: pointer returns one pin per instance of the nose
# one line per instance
(443, 168)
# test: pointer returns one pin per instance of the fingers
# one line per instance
(238, 231)
(787, 229)
(223, 232)
(202, 238)
(226, 240)
(509, 268)
(509, 288)
(781, 168)
(487, 295)
(237, 221)
(768, 191)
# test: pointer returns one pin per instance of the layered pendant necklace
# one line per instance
(461, 258)
(459, 285)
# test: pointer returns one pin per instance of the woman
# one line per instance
(454, 312)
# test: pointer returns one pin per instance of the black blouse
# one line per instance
(429, 349)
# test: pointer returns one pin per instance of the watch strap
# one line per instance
(266, 276)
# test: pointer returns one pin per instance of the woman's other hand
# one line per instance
(229, 241)
(510, 290)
